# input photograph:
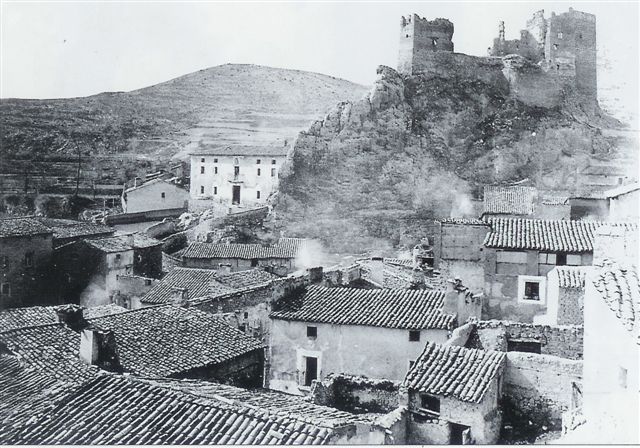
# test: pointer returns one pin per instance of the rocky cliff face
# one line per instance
(373, 173)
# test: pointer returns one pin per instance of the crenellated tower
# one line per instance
(420, 39)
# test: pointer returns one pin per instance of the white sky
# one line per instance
(66, 49)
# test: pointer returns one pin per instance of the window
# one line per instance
(118, 257)
(574, 260)
(430, 404)
(236, 170)
(242, 327)
(235, 161)
(622, 377)
(147, 282)
(257, 195)
(546, 258)
(202, 160)
(258, 171)
(273, 172)
(561, 259)
(254, 262)
(312, 332)
(28, 259)
(414, 335)
(215, 160)
(523, 345)
(162, 195)
(201, 189)
(201, 170)
(5, 289)
(215, 170)
(215, 190)
(246, 315)
(531, 289)
(258, 162)
(273, 161)
(127, 269)
(511, 256)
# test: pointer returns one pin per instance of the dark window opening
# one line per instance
(215, 160)
(561, 259)
(242, 327)
(407, 35)
(235, 195)
(558, 67)
(620, 180)
(257, 194)
(414, 335)
(236, 170)
(312, 332)
(215, 170)
(5, 289)
(28, 259)
(202, 160)
(524, 346)
(258, 162)
(532, 291)
(162, 195)
(118, 257)
(254, 262)
(147, 282)
(258, 171)
(201, 170)
(430, 404)
(273, 161)
(311, 372)
(246, 315)
(458, 434)
(273, 172)
(201, 189)
(215, 190)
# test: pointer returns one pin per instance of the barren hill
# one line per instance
(228, 103)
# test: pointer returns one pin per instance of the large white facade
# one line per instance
(243, 177)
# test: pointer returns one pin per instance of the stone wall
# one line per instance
(539, 387)
(161, 229)
(356, 394)
(561, 341)
(242, 371)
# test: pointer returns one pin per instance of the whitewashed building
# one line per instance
(235, 176)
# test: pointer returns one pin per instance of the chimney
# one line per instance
(315, 274)
(377, 271)
(180, 297)
(98, 348)
(224, 268)
(417, 278)
(72, 316)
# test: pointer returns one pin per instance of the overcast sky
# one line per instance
(66, 49)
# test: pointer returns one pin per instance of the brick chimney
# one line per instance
(98, 348)
(224, 268)
(72, 316)
(377, 270)
(180, 297)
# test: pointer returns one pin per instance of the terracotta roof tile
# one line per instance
(571, 276)
(620, 289)
(516, 200)
(389, 308)
(209, 148)
(14, 318)
(64, 229)
(285, 248)
(120, 243)
(454, 371)
(13, 227)
(463, 221)
(547, 235)
(116, 410)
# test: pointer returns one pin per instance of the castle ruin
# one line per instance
(551, 56)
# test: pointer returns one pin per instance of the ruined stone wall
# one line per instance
(532, 85)
(539, 387)
(242, 371)
(356, 393)
(562, 341)
(419, 39)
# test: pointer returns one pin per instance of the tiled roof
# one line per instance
(50, 348)
(555, 200)
(454, 371)
(115, 410)
(240, 150)
(163, 340)
(120, 243)
(25, 392)
(547, 235)
(389, 308)
(154, 181)
(623, 189)
(285, 248)
(204, 282)
(463, 221)
(196, 281)
(620, 289)
(516, 200)
(14, 318)
(571, 276)
(64, 228)
(12, 227)
(276, 403)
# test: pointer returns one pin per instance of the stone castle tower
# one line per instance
(563, 45)
(420, 39)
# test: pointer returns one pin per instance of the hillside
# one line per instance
(375, 173)
(228, 103)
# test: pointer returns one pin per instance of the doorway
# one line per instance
(311, 372)
(235, 199)
(459, 434)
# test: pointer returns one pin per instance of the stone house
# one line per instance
(235, 176)
(157, 194)
(26, 247)
(374, 332)
(279, 258)
(519, 253)
(89, 269)
(565, 296)
(624, 202)
(453, 395)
